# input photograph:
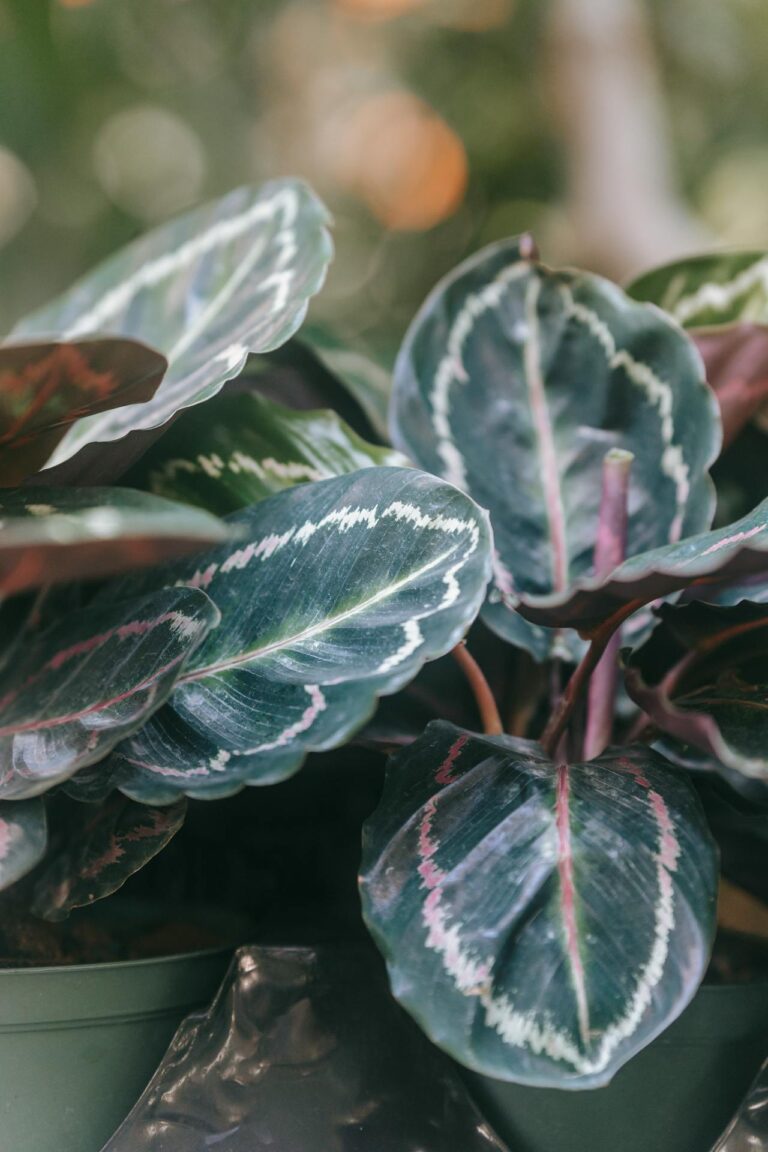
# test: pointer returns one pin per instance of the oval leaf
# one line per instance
(45, 388)
(703, 678)
(79, 687)
(542, 922)
(239, 449)
(103, 850)
(737, 550)
(227, 279)
(515, 380)
(339, 593)
(50, 535)
(23, 838)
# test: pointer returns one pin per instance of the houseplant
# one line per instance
(543, 890)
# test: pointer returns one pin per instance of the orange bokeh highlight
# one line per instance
(403, 161)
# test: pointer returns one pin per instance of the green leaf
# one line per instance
(339, 593)
(719, 288)
(103, 850)
(364, 376)
(76, 689)
(513, 383)
(702, 677)
(45, 388)
(230, 278)
(735, 551)
(240, 448)
(542, 921)
(23, 838)
(722, 298)
(50, 535)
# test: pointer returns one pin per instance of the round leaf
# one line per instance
(515, 380)
(542, 922)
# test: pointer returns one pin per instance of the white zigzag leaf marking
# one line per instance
(714, 297)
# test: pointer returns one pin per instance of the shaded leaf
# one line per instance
(361, 373)
(50, 535)
(702, 677)
(737, 550)
(513, 383)
(226, 279)
(240, 448)
(75, 689)
(45, 388)
(23, 837)
(103, 850)
(339, 593)
(736, 362)
(542, 922)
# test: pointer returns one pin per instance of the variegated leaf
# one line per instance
(361, 373)
(103, 849)
(542, 921)
(23, 837)
(240, 448)
(45, 388)
(735, 551)
(50, 535)
(514, 381)
(75, 689)
(227, 279)
(339, 593)
(703, 677)
(723, 299)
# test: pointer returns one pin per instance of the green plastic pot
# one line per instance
(78, 1044)
(677, 1095)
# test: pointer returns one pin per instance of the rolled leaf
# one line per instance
(702, 677)
(542, 921)
(76, 689)
(45, 388)
(339, 593)
(104, 848)
(51, 535)
(735, 551)
(230, 278)
(515, 380)
(23, 837)
(240, 448)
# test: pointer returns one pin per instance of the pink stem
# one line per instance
(610, 550)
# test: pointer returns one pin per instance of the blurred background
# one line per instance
(621, 132)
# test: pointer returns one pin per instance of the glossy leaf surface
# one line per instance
(513, 383)
(339, 592)
(737, 550)
(230, 278)
(45, 388)
(74, 690)
(23, 837)
(240, 448)
(542, 922)
(364, 377)
(104, 848)
(702, 677)
(50, 535)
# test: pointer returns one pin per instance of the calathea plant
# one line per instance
(544, 889)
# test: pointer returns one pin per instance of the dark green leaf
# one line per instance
(738, 550)
(543, 922)
(237, 449)
(76, 689)
(23, 837)
(50, 535)
(720, 288)
(367, 380)
(103, 849)
(339, 593)
(703, 678)
(45, 388)
(227, 279)
(513, 383)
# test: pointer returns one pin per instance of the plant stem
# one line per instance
(610, 550)
(489, 713)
